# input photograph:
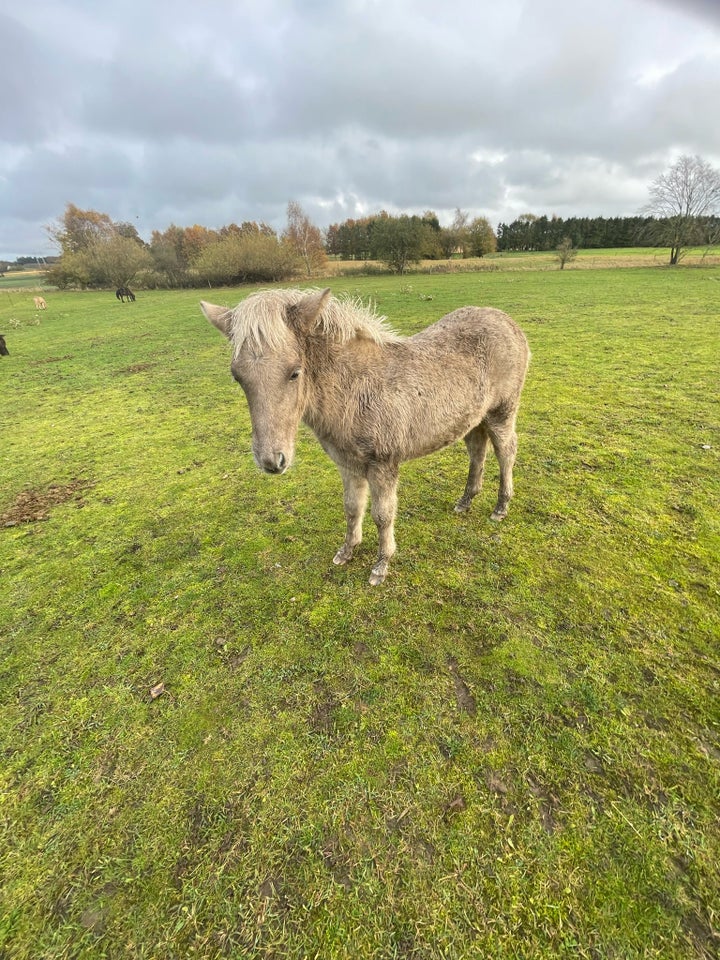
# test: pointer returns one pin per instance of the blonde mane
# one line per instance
(260, 318)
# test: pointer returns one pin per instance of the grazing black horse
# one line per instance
(123, 292)
(4, 352)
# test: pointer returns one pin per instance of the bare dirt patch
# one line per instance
(322, 717)
(547, 803)
(337, 862)
(32, 506)
(465, 700)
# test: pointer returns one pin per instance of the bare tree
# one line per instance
(679, 199)
(461, 229)
(304, 238)
(565, 252)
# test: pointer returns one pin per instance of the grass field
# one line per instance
(20, 280)
(216, 744)
(627, 257)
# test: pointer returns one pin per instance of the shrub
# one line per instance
(246, 259)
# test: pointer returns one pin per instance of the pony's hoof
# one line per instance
(462, 506)
(376, 579)
(498, 515)
(342, 556)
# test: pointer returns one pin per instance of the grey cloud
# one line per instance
(225, 111)
(47, 179)
(708, 10)
(163, 101)
(32, 84)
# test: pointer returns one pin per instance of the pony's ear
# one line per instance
(219, 317)
(309, 309)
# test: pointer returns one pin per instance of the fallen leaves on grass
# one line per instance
(32, 506)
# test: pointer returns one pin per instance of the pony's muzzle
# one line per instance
(273, 463)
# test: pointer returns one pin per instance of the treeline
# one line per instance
(99, 252)
(402, 240)
(529, 232)
(245, 253)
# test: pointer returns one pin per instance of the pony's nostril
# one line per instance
(273, 462)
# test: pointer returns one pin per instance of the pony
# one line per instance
(4, 352)
(39, 303)
(122, 292)
(374, 398)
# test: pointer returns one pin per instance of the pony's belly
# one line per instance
(397, 432)
(437, 441)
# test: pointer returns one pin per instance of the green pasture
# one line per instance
(533, 260)
(216, 744)
(15, 284)
(594, 259)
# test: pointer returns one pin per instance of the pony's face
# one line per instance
(273, 382)
(268, 331)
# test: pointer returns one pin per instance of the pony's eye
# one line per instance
(295, 374)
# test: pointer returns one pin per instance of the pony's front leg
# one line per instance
(355, 491)
(383, 493)
(476, 443)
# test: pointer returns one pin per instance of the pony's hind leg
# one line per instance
(355, 491)
(476, 442)
(504, 441)
(383, 495)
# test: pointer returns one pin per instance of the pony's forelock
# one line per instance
(260, 319)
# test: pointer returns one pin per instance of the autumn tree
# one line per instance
(76, 230)
(246, 256)
(455, 238)
(70, 270)
(115, 262)
(171, 269)
(95, 251)
(304, 238)
(194, 241)
(248, 228)
(481, 237)
(176, 251)
(124, 229)
(431, 219)
(680, 199)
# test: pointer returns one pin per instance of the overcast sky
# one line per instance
(179, 111)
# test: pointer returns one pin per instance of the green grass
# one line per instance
(591, 258)
(510, 749)
(15, 284)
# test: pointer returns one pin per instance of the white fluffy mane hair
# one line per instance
(260, 318)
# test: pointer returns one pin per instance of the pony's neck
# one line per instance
(330, 360)
(331, 368)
